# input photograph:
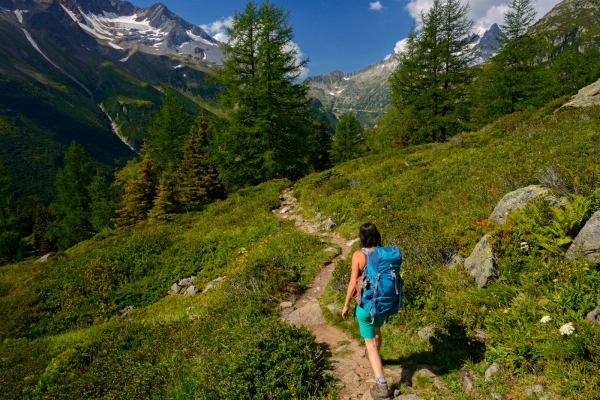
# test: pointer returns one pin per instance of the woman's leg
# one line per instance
(378, 337)
(373, 353)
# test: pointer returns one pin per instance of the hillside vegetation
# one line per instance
(62, 336)
(433, 201)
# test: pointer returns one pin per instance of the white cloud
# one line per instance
(299, 56)
(400, 46)
(218, 28)
(376, 6)
(483, 12)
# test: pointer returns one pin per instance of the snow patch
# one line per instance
(346, 79)
(177, 66)
(35, 46)
(19, 14)
(124, 59)
(199, 39)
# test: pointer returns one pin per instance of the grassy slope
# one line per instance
(63, 335)
(433, 201)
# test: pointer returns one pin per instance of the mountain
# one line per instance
(364, 92)
(571, 24)
(489, 42)
(86, 70)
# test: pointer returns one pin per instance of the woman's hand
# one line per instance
(345, 312)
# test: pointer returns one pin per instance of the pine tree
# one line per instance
(269, 132)
(169, 126)
(41, 243)
(165, 203)
(348, 139)
(198, 175)
(11, 220)
(138, 193)
(72, 204)
(512, 80)
(429, 88)
(103, 202)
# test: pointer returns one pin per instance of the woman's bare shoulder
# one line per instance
(358, 253)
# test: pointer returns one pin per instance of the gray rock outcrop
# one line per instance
(587, 97)
(183, 287)
(594, 315)
(482, 264)
(44, 258)
(213, 284)
(516, 200)
(587, 243)
(467, 379)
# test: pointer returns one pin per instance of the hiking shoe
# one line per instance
(381, 392)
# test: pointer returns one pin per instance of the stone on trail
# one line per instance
(284, 210)
(481, 264)
(328, 224)
(516, 200)
(308, 315)
(587, 242)
(331, 250)
(491, 371)
(350, 243)
(594, 315)
(286, 304)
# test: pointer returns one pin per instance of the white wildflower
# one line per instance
(524, 246)
(567, 329)
(545, 319)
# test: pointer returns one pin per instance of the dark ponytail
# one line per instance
(369, 235)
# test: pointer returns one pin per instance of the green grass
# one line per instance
(433, 201)
(69, 340)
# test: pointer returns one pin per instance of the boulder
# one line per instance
(587, 243)
(587, 97)
(125, 311)
(186, 282)
(44, 258)
(467, 379)
(175, 289)
(190, 291)
(594, 315)
(491, 371)
(516, 200)
(481, 264)
(212, 284)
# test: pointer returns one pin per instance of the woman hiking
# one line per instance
(378, 291)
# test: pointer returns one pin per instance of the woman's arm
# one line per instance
(358, 261)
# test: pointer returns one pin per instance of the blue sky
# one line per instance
(341, 34)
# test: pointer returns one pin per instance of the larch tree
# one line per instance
(269, 131)
(512, 78)
(169, 126)
(138, 193)
(199, 180)
(348, 139)
(71, 207)
(103, 202)
(165, 203)
(429, 88)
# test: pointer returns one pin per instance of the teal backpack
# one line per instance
(381, 283)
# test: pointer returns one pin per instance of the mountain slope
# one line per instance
(60, 81)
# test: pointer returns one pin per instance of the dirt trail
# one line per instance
(351, 368)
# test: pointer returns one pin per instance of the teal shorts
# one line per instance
(367, 329)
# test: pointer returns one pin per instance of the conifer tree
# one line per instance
(165, 203)
(429, 88)
(198, 175)
(41, 243)
(269, 131)
(138, 193)
(103, 202)
(11, 221)
(72, 204)
(512, 80)
(169, 126)
(348, 139)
